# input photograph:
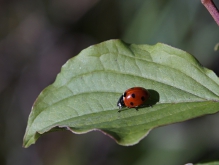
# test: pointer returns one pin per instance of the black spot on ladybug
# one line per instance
(132, 103)
(142, 98)
(133, 95)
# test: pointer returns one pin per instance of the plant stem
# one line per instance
(212, 9)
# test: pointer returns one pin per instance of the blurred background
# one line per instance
(38, 37)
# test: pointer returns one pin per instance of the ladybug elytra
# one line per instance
(133, 98)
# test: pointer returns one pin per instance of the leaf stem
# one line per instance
(212, 9)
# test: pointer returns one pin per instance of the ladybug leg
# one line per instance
(136, 108)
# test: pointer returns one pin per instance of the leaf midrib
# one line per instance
(126, 118)
(121, 73)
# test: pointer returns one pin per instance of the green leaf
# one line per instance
(209, 163)
(85, 93)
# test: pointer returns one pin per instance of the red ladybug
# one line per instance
(133, 98)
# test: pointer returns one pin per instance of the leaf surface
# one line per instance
(85, 92)
(207, 163)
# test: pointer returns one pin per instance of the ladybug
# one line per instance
(133, 98)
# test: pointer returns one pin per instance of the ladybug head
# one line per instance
(120, 102)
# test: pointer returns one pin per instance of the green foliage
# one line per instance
(85, 92)
(210, 163)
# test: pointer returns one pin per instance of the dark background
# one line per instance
(38, 37)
